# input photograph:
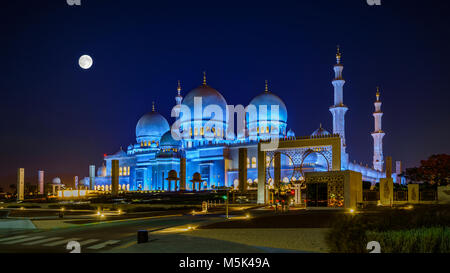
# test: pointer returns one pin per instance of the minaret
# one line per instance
(378, 135)
(179, 98)
(153, 106)
(338, 110)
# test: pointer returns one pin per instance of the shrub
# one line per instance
(72, 206)
(350, 233)
(423, 240)
(347, 235)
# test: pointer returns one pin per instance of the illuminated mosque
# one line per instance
(146, 164)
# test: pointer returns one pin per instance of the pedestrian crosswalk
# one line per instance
(40, 240)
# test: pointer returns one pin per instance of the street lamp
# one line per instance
(225, 197)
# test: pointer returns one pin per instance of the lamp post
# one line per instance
(225, 197)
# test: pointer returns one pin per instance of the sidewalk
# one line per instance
(230, 241)
(177, 243)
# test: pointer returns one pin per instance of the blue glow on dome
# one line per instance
(320, 132)
(209, 95)
(167, 140)
(269, 99)
(152, 125)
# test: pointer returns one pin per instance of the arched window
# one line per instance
(267, 161)
(120, 171)
(145, 143)
(202, 131)
(253, 162)
(248, 163)
(195, 131)
(142, 144)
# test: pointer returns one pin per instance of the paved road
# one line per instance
(93, 238)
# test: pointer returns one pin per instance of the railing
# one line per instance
(369, 195)
(400, 195)
(428, 195)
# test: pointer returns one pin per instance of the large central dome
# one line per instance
(209, 96)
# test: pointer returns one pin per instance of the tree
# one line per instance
(435, 170)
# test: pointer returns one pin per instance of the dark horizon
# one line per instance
(60, 118)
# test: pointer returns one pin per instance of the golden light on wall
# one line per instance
(72, 193)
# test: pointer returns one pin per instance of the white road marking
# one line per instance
(89, 241)
(12, 238)
(23, 240)
(102, 245)
(61, 242)
(42, 241)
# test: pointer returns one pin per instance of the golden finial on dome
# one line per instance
(179, 87)
(378, 93)
(267, 87)
(153, 106)
(338, 55)
(204, 77)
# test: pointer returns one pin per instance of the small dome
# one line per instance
(119, 153)
(290, 133)
(209, 96)
(56, 180)
(167, 140)
(172, 175)
(197, 177)
(101, 172)
(151, 125)
(320, 131)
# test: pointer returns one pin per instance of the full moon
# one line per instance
(85, 61)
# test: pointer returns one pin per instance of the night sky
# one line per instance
(61, 118)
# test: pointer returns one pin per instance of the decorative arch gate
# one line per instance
(296, 150)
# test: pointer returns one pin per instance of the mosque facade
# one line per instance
(204, 149)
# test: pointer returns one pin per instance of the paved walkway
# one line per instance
(231, 241)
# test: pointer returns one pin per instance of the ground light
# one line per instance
(352, 211)
(247, 216)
